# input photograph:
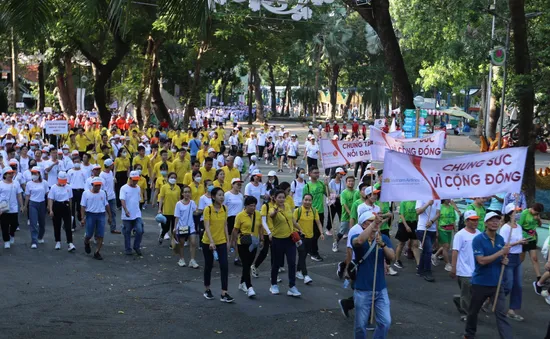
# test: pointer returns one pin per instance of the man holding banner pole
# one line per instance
(426, 231)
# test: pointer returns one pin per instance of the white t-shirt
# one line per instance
(52, 174)
(261, 139)
(293, 148)
(88, 185)
(184, 214)
(517, 235)
(313, 151)
(132, 196)
(238, 163)
(337, 188)
(462, 242)
(423, 218)
(108, 184)
(60, 193)
(356, 229)
(251, 145)
(9, 192)
(234, 203)
(365, 208)
(87, 169)
(37, 190)
(219, 160)
(255, 191)
(94, 202)
(24, 163)
(297, 190)
(204, 201)
(77, 178)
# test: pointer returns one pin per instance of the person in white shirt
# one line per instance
(428, 214)
(251, 146)
(256, 188)
(234, 202)
(52, 167)
(130, 196)
(292, 152)
(96, 171)
(59, 207)
(94, 205)
(280, 150)
(463, 262)
(35, 193)
(77, 179)
(312, 153)
(10, 200)
(109, 188)
(185, 229)
(261, 143)
(297, 187)
(24, 159)
(86, 166)
(513, 235)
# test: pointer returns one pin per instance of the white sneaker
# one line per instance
(185, 244)
(266, 161)
(71, 247)
(448, 267)
(7, 245)
(41, 241)
(307, 279)
(391, 271)
(299, 275)
(434, 260)
(281, 269)
(254, 271)
(33, 246)
(274, 289)
(242, 287)
(167, 236)
(181, 263)
(334, 247)
(279, 279)
(193, 264)
(12, 240)
(293, 292)
(251, 293)
(58, 245)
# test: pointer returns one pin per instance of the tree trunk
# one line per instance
(288, 94)
(101, 77)
(258, 95)
(14, 69)
(62, 94)
(250, 91)
(273, 91)
(71, 92)
(41, 89)
(376, 101)
(193, 99)
(157, 102)
(394, 96)
(524, 92)
(494, 115)
(351, 93)
(317, 70)
(378, 16)
(334, 73)
(145, 81)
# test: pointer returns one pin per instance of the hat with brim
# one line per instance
(97, 181)
(490, 216)
(471, 215)
(236, 180)
(134, 175)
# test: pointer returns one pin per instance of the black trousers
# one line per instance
(169, 226)
(261, 150)
(9, 223)
(148, 197)
(479, 296)
(247, 258)
(316, 235)
(121, 180)
(62, 213)
(362, 165)
(230, 224)
(75, 208)
(263, 253)
(335, 210)
(303, 250)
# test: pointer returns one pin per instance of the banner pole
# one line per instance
(421, 247)
(374, 281)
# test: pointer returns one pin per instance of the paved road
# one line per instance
(55, 294)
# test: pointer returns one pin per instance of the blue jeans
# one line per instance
(127, 227)
(425, 263)
(37, 218)
(95, 222)
(363, 300)
(513, 277)
(112, 206)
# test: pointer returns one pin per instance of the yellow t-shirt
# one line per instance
(201, 154)
(196, 192)
(181, 167)
(81, 142)
(265, 213)
(207, 175)
(243, 222)
(217, 223)
(153, 160)
(215, 144)
(13, 131)
(98, 148)
(231, 174)
(225, 187)
(289, 201)
(188, 180)
(307, 220)
(142, 183)
(282, 223)
(171, 196)
(221, 133)
(156, 168)
(177, 140)
(151, 132)
(122, 164)
(160, 182)
(144, 162)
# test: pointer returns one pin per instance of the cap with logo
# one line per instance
(62, 177)
(134, 175)
(97, 181)
(234, 180)
(471, 215)
(368, 215)
(491, 215)
(257, 172)
(510, 208)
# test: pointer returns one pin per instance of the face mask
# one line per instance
(172, 181)
(35, 177)
(302, 175)
(198, 179)
(33, 148)
(124, 154)
(94, 156)
(174, 150)
(65, 151)
(163, 173)
(210, 188)
(77, 165)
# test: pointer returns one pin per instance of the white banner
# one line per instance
(408, 177)
(339, 152)
(57, 127)
(379, 123)
(19, 105)
(431, 146)
(92, 114)
(47, 109)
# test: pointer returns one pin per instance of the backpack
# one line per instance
(300, 213)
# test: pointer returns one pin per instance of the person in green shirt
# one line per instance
(406, 231)
(477, 206)
(318, 190)
(346, 199)
(529, 220)
(445, 227)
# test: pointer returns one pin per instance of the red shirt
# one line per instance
(327, 127)
(120, 122)
(364, 129)
(164, 124)
(336, 128)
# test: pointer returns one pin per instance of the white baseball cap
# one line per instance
(97, 181)
(257, 172)
(254, 158)
(491, 215)
(510, 208)
(108, 162)
(369, 190)
(471, 215)
(368, 215)
(134, 175)
(210, 150)
(340, 170)
(234, 180)
(271, 174)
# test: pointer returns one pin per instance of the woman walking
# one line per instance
(280, 149)
(297, 187)
(308, 218)
(292, 152)
(35, 202)
(446, 226)
(185, 229)
(336, 187)
(312, 153)
(529, 221)
(122, 170)
(168, 197)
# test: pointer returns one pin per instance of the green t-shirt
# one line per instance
(357, 195)
(447, 216)
(318, 191)
(529, 224)
(480, 211)
(346, 198)
(384, 208)
(408, 210)
(354, 207)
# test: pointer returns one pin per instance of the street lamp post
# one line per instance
(504, 77)
(418, 101)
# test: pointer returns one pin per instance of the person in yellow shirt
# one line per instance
(216, 142)
(197, 188)
(159, 182)
(185, 145)
(246, 234)
(12, 130)
(182, 166)
(282, 243)
(144, 161)
(72, 141)
(154, 157)
(178, 139)
(142, 184)
(208, 172)
(307, 217)
(164, 160)
(205, 136)
(104, 142)
(202, 153)
(134, 139)
(122, 171)
(36, 129)
(151, 131)
(230, 171)
(82, 141)
(221, 132)
(215, 238)
(267, 224)
(221, 182)
(169, 195)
